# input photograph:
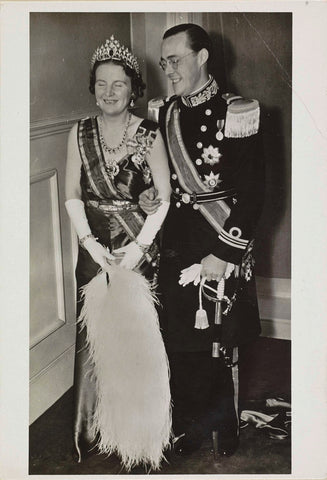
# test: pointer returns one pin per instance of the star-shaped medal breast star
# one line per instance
(212, 180)
(211, 155)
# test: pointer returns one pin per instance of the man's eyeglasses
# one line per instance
(173, 62)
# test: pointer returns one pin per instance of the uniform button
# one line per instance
(174, 176)
(196, 206)
(177, 190)
(208, 112)
(186, 198)
(178, 204)
(199, 145)
(203, 128)
(235, 232)
(198, 161)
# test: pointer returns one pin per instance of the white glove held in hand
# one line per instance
(191, 274)
(152, 224)
(133, 255)
(76, 211)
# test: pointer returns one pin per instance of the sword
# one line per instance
(218, 319)
(218, 351)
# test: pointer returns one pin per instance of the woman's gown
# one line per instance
(115, 218)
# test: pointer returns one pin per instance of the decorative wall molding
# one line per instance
(277, 328)
(274, 287)
(51, 179)
(274, 297)
(56, 125)
(51, 383)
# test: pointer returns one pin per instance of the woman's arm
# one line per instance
(73, 167)
(75, 206)
(150, 200)
(158, 162)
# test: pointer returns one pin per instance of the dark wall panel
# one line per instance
(61, 46)
(253, 52)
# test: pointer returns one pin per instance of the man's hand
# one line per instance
(213, 268)
(148, 201)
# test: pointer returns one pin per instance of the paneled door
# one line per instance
(52, 288)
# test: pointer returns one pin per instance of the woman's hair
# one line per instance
(197, 36)
(138, 86)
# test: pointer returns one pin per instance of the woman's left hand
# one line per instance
(133, 255)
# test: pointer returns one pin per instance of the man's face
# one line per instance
(186, 77)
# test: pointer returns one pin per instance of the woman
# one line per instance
(111, 159)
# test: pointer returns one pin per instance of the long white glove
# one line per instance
(134, 250)
(76, 211)
(152, 224)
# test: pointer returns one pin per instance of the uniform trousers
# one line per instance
(203, 395)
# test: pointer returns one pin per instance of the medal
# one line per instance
(212, 180)
(220, 126)
(211, 155)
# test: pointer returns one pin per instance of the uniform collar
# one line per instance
(203, 94)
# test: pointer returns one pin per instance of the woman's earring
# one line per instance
(132, 103)
(97, 103)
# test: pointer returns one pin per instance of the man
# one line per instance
(217, 179)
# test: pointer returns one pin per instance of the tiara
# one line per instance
(113, 50)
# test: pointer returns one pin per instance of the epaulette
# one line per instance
(242, 117)
(155, 104)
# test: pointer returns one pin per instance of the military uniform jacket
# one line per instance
(223, 144)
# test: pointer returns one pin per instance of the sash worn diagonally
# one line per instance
(215, 212)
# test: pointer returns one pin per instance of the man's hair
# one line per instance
(197, 36)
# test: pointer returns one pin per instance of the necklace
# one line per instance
(112, 168)
(113, 150)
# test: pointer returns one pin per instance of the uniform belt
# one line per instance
(113, 205)
(193, 197)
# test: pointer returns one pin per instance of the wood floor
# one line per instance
(265, 372)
